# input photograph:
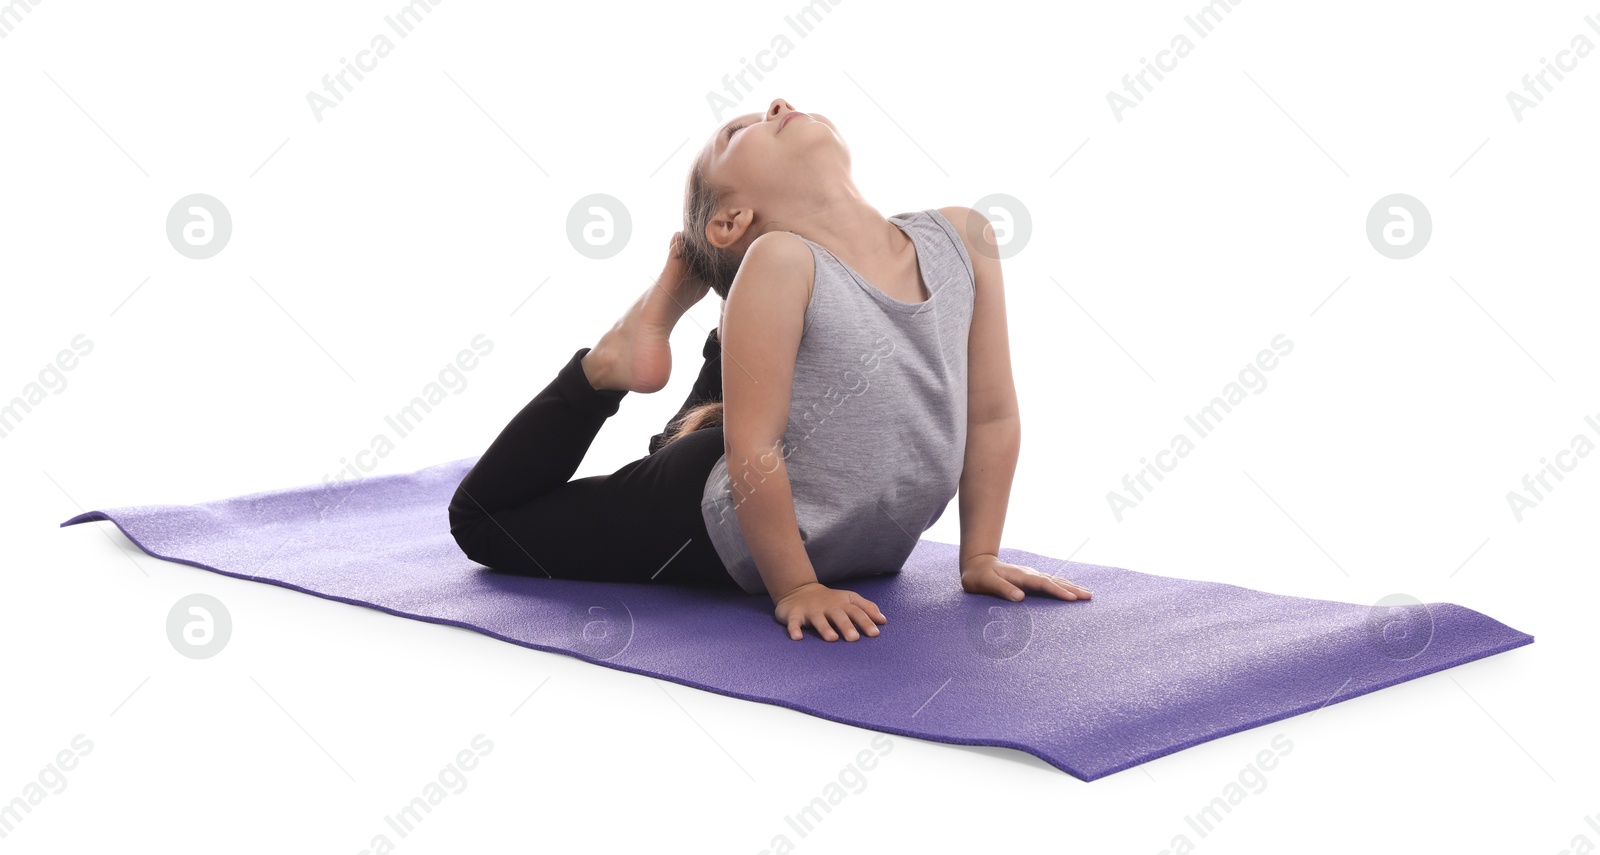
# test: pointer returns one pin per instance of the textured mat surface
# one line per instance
(1149, 666)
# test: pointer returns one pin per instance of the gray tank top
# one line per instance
(877, 427)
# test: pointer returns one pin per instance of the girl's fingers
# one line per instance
(996, 584)
(1063, 589)
(1080, 590)
(1009, 585)
(820, 621)
(1041, 582)
(841, 619)
(871, 609)
(849, 621)
(1048, 585)
(864, 620)
(1005, 590)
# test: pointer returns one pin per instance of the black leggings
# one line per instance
(517, 512)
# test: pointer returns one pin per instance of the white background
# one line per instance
(1173, 245)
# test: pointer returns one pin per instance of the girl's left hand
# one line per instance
(986, 574)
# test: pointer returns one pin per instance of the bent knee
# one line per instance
(465, 527)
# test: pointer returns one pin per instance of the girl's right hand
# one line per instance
(818, 604)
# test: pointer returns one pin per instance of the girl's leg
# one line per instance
(539, 449)
(656, 521)
(515, 511)
(707, 386)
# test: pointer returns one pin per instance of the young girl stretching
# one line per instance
(859, 377)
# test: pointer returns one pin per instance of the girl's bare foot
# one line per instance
(635, 354)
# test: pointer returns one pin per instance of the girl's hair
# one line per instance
(710, 264)
(704, 260)
(707, 415)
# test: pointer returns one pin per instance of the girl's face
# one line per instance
(770, 159)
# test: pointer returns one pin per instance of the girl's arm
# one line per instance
(994, 426)
(994, 431)
(762, 320)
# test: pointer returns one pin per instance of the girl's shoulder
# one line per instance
(976, 235)
(968, 223)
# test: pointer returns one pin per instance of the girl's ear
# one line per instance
(728, 226)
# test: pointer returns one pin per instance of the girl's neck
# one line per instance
(846, 224)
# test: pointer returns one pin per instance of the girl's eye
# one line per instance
(733, 128)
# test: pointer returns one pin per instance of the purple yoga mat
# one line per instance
(1149, 666)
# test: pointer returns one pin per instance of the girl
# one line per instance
(867, 379)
